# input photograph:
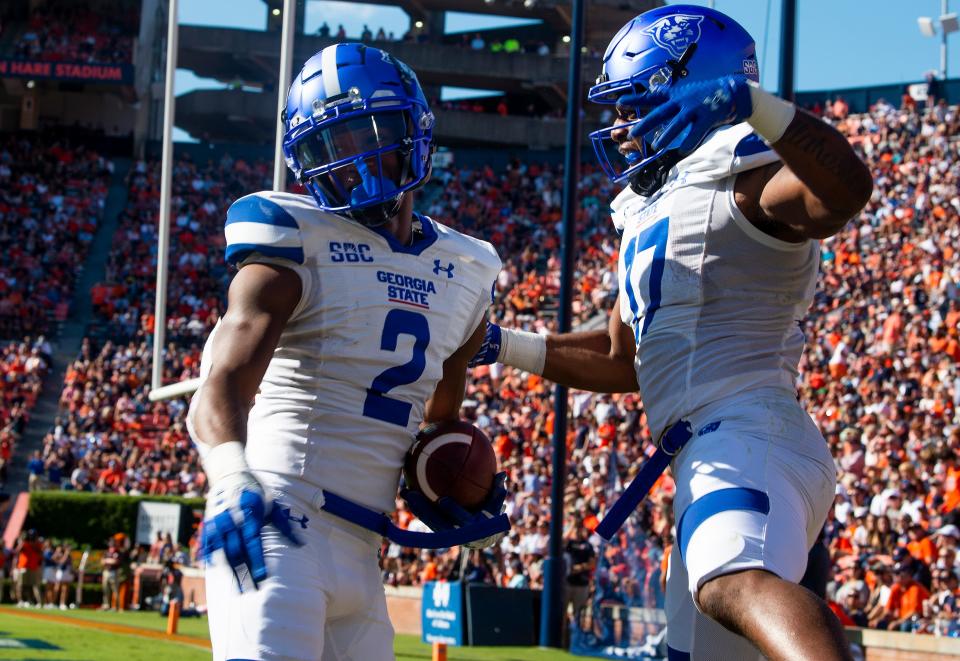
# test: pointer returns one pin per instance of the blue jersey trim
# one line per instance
(237, 252)
(429, 237)
(257, 209)
(750, 145)
(715, 502)
(677, 655)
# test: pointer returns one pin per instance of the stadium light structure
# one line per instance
(948, 25)
(166, 182)
(287, 35)
(551, 602)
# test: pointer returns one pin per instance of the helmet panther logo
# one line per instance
(675, 33)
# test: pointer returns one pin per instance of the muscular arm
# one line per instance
(261, 299)
(820, 185)
(448, 396)
(599, 361)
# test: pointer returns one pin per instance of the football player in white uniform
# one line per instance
(730, 189)
(350, 322)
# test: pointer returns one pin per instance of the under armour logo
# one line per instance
(719, 97)
(302, 520)
(437, 268)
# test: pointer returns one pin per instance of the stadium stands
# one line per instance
(78, 34)
(23, 364)
(51, 198)
(109, 436)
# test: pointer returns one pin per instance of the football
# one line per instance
(452, 459)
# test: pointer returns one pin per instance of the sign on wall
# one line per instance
(71, 71)
(157, 517)
(442, 612)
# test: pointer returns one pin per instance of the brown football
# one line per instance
(452, 459)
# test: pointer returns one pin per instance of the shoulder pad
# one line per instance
(256, 223)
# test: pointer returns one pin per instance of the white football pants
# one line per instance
(323, 600)
(754, 486)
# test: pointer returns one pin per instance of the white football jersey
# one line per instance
(715, 303)
(344, 394)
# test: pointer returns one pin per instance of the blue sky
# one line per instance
(840, 43)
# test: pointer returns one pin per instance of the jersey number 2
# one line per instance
(649, 250)
(377, 404)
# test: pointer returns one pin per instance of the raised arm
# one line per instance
(821, 183)
(818, 187)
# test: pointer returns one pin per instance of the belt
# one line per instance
(668, 447)
(381, 524)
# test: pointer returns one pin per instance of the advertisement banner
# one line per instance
(442, 612)
(80, 72)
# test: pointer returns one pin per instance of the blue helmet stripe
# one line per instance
(328, 67)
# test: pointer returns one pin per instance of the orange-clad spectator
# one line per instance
(29, 563)
(906, 599)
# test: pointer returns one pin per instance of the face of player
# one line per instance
(371, 151)
(627, 146)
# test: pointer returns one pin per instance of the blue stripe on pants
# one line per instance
(724, 500)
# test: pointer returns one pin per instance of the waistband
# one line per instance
(307, 499)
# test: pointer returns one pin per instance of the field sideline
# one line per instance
(33, 634)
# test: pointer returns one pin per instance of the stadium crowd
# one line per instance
(78, 34)
(52, 196)
(109, 436)
(880, 374)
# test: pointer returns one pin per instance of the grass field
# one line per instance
(32, 635)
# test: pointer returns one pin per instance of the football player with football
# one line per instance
(350, 323)
(728, 190)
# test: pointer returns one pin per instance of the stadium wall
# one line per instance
(403, 604)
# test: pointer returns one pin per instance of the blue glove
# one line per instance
(489, 351)
(446, 514)
(695, 108)
(237, 511)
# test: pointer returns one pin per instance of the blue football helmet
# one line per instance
(659, 49)
(358, 131)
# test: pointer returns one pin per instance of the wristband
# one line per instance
(771, 114)
(523, 350)
(223, 460)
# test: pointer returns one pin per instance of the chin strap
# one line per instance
(648, 180)
(378, 214)
(381, 524)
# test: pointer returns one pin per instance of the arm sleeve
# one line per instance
(259, 230)
(257, 224)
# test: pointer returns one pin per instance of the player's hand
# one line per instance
(695, 108)
(489, 351)
(446, 514)
(237, 511)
